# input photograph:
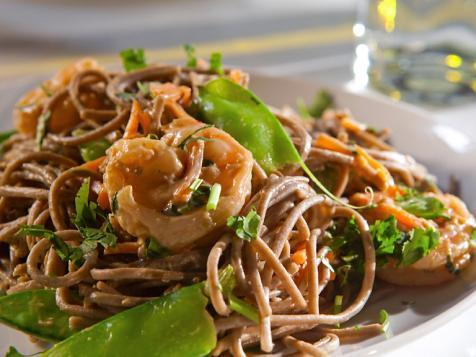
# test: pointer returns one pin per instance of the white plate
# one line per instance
(443, 149)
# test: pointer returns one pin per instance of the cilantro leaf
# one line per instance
(41, 128)
(216, 63)
(144, 88)
(385, 235)
(64, 250)
(86, 211)
(133, 59)
(473, 235)
(322, 101)
(421, 206)
(95, 236)
(419, 244)
(191, 56)
(245, 227)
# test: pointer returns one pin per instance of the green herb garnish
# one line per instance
(419, 244)
(420, 205)
(214, 197)
(144, 88)
(322, 101)
(191, 56)
(41, 128)
(63, 250)
(133, 59)
(216, 63)
(245, 227)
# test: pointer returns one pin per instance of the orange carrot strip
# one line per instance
(325, 141)
(235, 76)
(385, 180)
(352, 125)
(103, 200)
(299, 257)
(94, 164)
(132, 126)
(403, 217)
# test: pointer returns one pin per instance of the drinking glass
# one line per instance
(417, 50)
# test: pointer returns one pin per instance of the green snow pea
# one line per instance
(244, 116)
(175, 325)
(35, 313)
(241, 113)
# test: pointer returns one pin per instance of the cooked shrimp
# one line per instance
(30, 106)
(452, 254)
(145, 177)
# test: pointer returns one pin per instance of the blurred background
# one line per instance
(420, 51)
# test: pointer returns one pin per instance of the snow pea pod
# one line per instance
(35, 313)
(175, 325)
(244, 116)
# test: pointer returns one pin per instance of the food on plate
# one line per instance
(167, 211)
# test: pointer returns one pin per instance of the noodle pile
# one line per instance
(284, 273)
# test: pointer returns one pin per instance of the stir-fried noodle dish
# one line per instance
(174, 205)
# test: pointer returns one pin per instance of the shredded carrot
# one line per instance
(103, 200)
(172, 92)
(325, 141)
(123, 248)
(352, 125)
(299, 257)
(394, 191)
(404, 218)
(363, 159)
(94, 164)
(138, 116)
(235, 76)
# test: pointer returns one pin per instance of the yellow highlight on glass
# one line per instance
(387, 9)
(396, 95)
(473, 86)
(453, 76)
(453, 61)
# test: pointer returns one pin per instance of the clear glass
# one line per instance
(418, 50)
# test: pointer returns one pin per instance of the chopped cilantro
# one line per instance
(302, 108)
(322, 101)
(86, 211)
(64, 250)
(191, 56)
(133, 59)
(420, 205)
(473, 235)
(245, 227)
(386, 236)
(216, 63)
(94, 236)
(419, 244)
(144, 88)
